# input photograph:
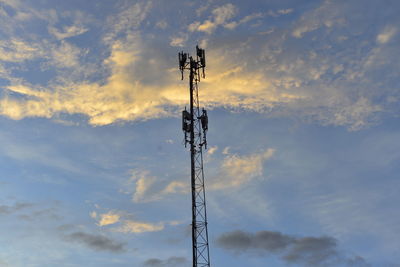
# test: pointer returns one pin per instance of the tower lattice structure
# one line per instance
(195, 126)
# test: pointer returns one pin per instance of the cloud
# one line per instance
(178, 41)
(128, 20)
(233, 171)
(5, 209)
(108, 218)
(212, 150)
(68, 31)
(143, 184)
(150, 188)
(96, 242)
(123, 223)
(257, 73)
(386, 35)
(232, 25)
(236, 170)
(132, 226)
(122, 97)
(170, 262)
(162, 24)
(327, 15)
(356, 114)
(66, 55)
(17, 50)
(12, 3)
(223, 13)
(175, 187)
(219, 17)
(305, 251)
(285, 11)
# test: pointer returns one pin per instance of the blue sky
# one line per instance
(302, 165)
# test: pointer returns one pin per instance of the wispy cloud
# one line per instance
(220, 16)
(17, 50)
(131, 226)
(326, 15)
(68, 31)
(237, 170)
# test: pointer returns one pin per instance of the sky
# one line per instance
(303, 99)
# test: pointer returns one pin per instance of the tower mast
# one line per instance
(195, 126)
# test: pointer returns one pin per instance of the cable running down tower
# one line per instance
(195, 126)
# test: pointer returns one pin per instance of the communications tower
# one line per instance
(195, 126)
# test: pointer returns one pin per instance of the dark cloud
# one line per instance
(48, 213)
(307, 251)
(170, 262)
(96, 242)
(4, 209)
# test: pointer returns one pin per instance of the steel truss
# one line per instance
(195, 124)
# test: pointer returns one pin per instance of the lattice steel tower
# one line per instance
(195, 126)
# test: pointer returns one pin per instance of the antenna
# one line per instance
(195, 127)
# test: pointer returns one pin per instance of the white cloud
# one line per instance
(143, 183)
(386, 35)
(237, 170)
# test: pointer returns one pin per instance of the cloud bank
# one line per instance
(327, 77)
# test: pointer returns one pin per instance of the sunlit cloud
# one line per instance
(106, 218)
(212, 150)
(122, 221)
(249, 75)
(237, 170)
(131, 226)
(386, 35)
